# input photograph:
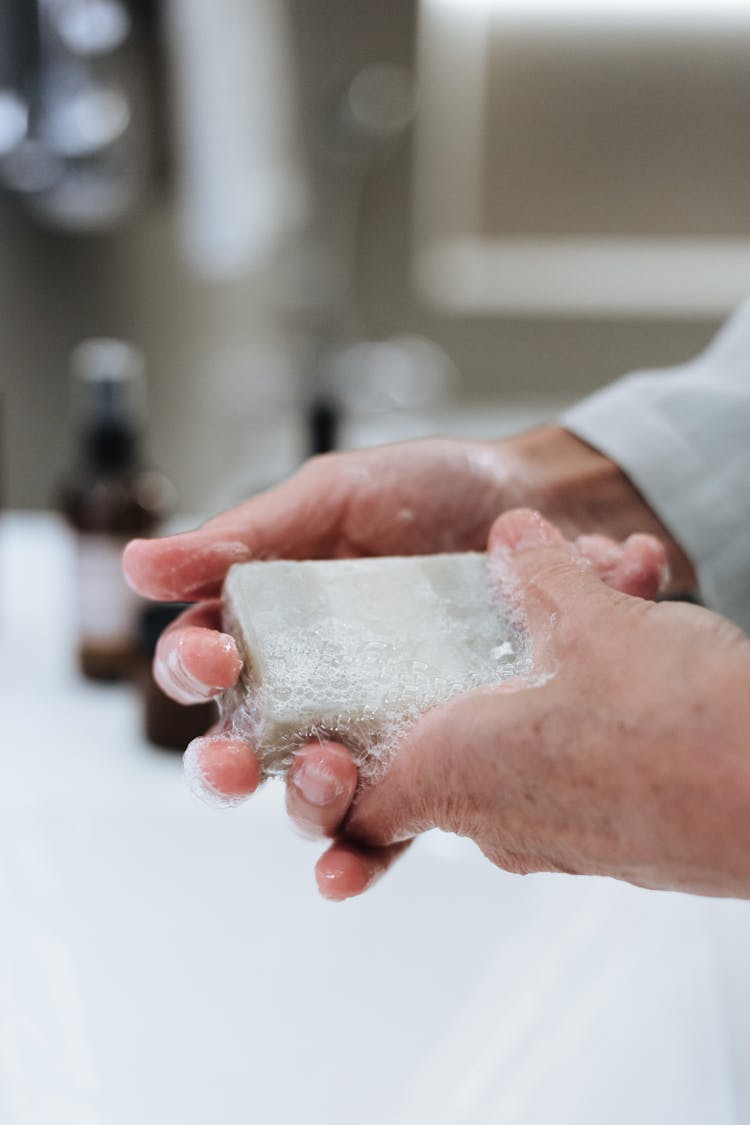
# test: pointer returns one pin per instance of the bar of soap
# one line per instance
(352, 649)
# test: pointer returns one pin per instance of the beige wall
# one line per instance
(55, 289)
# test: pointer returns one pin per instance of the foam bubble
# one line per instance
(355, 651)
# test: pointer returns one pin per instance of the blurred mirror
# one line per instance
(603, 152)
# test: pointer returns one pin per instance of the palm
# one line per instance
(418, 497)
(415, 498)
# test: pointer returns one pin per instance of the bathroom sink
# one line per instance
(165, 962)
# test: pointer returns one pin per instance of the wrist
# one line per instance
(584, 492)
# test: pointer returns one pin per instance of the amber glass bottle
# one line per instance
(109, 498)
(166, 724)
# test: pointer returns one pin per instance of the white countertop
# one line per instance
(163, 963)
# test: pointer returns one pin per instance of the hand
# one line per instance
(631, 760)
(628, 756)
(421, 496)
(413, 498)
(418, 497)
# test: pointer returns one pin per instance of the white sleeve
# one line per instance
(682, 436)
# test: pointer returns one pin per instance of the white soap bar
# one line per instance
(352, 649)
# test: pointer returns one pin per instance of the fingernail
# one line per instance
(198, 782)
(214, 644)
(329, 885)
(130, 567)
(183, 683)
(316, 785)
(344, 879)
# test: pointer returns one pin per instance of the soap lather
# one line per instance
(356, 649)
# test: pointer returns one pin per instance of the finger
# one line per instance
(320, 787)
(221, 770)
(637, 567)
(195, 661)
(298, 519)
(644, 569)
(541, 571)
(347, 870)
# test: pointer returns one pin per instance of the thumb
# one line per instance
(441, 760)
(436, 774)
(457, 769)
(541, 572)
